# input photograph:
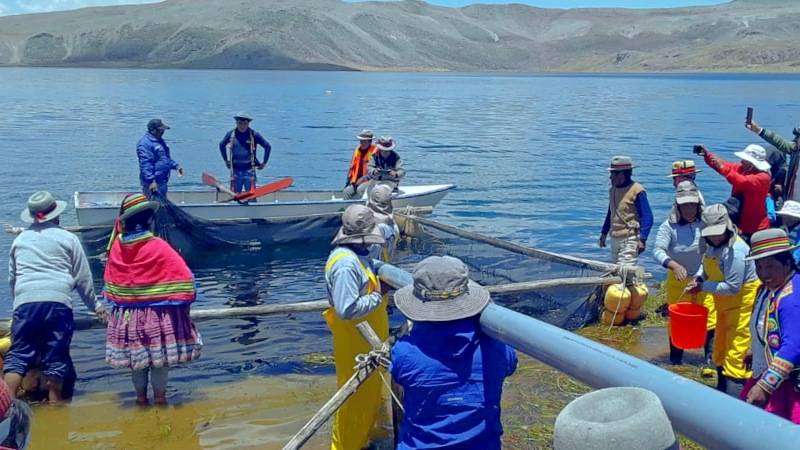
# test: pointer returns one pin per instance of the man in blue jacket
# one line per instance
(238, 150)
(451, 372)
(155, 162)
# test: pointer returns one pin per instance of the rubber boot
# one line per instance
(675, 354)
(722, 382)
(707, 370)
(729, 385)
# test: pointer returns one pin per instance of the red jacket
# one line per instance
(751, 188)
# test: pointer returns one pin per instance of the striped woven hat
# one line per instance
(619, 163)
(133, 204)
(683, 168)
(769, 242)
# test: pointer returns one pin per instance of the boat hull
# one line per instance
(100, 209)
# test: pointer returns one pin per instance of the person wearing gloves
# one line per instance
(46, 264)
(750, 184)
(676, 249)
(775, 326)
(380, 202)
(732, 281)
(355, 296)
(790, 218)
(451, 372)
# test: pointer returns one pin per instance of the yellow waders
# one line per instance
(353, 423)
(675, 295)
(732, 339)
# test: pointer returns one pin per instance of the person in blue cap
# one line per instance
(155, 162)
(238, 150)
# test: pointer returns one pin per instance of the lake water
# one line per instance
(528, 153)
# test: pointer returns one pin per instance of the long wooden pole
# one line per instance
(341, 396)
(516, 248)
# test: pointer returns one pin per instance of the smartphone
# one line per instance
(697, 149)
(749, 119)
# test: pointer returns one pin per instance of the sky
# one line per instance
(35, 6)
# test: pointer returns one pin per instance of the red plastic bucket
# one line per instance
(687, 325)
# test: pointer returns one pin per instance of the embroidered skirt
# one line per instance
(159, 336)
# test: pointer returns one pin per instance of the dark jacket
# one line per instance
(155, 162)
(789, 148)
(379, 167)
(452, 375)
(243, 147)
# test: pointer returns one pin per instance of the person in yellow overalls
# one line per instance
(355, 296)
(676, 249)
(733, 282)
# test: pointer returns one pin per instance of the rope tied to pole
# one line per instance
(379, 359)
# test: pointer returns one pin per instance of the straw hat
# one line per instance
(619, 163)
(683, 168)
(380, 199)
(790, 208)
(769, 242)
(755, 155)
(716, 221)
(358, 227)
(242, 115)
(365, 135)
(42, 207)
(386, 143)
(442, 291)
(620, 418)
(134, 204)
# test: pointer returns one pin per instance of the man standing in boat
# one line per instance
(357, 178)
(628, 218)
(155, 162)
(238, 150)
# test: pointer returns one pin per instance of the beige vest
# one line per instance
(624, 219)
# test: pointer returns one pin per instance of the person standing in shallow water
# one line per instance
(155, 161)
(148, 292)
(355, 296)
(238, 149)
(628, 217)
(46, 264)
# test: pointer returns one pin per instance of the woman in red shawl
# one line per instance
(148, 292)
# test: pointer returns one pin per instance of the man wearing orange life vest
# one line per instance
(357, 179)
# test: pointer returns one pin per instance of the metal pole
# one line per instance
(705, 415)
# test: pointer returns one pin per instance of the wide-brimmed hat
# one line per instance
(134, 204)
(619, 418)
(683, 168)
(358, 227)
(243, 116)
(156, 124)
(716, 221)
(386, 143)
(365, 135)
(619, 163)
(42, 207)
(442, 291)
(380, 199)
(686, 192)
(755, 155)
(790, 208)
(769, 242)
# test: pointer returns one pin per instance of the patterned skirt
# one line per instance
(159, 336)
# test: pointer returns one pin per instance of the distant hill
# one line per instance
(744, 35)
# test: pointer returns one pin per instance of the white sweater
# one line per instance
(46, 264)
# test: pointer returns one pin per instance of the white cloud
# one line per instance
(37, 6)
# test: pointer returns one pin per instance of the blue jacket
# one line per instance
(155, 162)
(452, 375)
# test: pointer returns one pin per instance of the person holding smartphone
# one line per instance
(784, 176)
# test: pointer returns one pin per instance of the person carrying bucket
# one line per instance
(732, 281)
(355, 296)
(775, 326)
(676, 249)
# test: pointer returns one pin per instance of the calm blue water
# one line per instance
(528, 154)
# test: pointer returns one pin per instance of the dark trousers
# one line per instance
(41, 333)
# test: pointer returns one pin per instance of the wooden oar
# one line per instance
(264, 190)
(209, 180)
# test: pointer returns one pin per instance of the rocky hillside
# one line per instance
(744, 35)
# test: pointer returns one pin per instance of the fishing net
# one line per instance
(568, 307)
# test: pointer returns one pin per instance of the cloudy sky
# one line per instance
(34, 6)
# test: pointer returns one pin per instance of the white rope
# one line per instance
(380, 360)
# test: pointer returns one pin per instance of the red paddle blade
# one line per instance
(209, 180)
(266, 189)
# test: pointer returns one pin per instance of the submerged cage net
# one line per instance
(565, 306)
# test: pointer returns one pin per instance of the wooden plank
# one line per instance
(517, 248)
(530, 286)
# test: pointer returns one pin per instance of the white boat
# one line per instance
(100, 208)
